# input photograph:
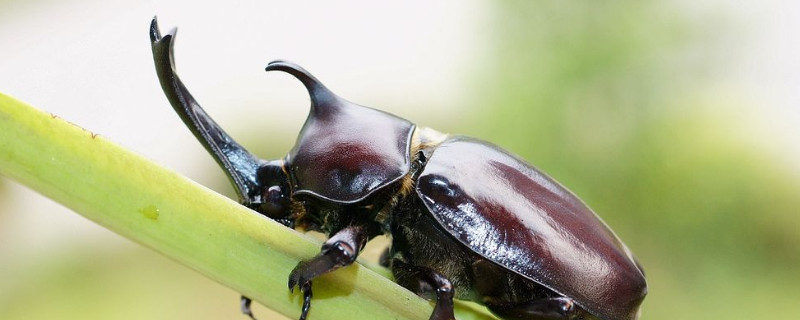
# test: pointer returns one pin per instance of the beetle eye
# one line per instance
(275, 203)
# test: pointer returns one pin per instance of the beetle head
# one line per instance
(271, 198)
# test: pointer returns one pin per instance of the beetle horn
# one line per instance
(240, 165)
(322, 99)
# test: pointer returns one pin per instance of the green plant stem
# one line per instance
(188, 222)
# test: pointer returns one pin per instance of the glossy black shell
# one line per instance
(345, 152)
(474, 199)
(516, 216)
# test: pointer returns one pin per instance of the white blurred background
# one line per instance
(89, 62)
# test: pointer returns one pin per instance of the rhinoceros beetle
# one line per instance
(467, 219)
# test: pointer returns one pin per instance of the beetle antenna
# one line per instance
(240, 165)
(321, 96)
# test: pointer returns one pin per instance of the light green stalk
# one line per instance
(187, 222)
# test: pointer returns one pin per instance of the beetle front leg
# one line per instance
(421, 281)
(339, 251)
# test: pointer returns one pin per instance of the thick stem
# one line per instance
(186, 221)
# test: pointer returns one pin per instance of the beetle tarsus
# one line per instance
(296, 279)
(245, 307)
(339, 251)
(306, 288)
(421, 280)
(548, 308)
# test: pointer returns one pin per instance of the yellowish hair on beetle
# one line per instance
(423, 138)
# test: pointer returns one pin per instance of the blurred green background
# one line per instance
(676, 122)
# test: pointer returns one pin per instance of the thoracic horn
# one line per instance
(322, 99)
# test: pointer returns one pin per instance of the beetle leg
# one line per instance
(339, 251)
(422, 281)
(548, 308)
(245, 307)
(386, 259)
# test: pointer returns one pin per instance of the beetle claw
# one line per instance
(296, 278)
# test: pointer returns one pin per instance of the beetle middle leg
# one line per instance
(339, 251)
(547, 308)
(512, 297)
(422, 281)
